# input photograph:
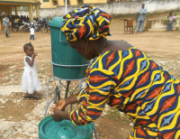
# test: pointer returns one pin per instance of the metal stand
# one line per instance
(57, 96)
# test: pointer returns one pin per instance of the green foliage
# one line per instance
(45, 0)
(177, 28)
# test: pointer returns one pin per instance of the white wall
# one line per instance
(117, 8)
(160, 25)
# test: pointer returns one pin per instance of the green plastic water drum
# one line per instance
(49, 129)
(67, 63)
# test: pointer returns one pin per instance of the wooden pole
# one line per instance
(31, 13)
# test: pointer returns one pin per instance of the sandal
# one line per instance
(32, 96)
(35, 97)
(27, 96)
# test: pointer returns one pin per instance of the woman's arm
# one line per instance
(60, 115)
(69, 100)
(59, 112)
(96, 94)
(72, 99)
(64, 102)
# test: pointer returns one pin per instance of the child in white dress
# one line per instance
(30, 81)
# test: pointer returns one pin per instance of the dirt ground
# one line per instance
(17, 112)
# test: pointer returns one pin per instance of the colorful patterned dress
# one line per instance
(134, 84)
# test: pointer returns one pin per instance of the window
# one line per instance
(55, 2)
(45, 0)
(68, 3)
(111, 0)
(25, 8)
(80, 2)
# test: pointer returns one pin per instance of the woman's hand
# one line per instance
(60, 105)
(57, 115)
(60, 115)
(64, 102)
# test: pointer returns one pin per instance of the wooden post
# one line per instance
(16, 10)
(31, 13)
(37, 11)
(10, 11)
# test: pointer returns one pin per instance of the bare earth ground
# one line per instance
(19, 117)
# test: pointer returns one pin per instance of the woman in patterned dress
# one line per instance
(121, 76)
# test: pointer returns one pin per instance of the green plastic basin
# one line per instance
(49, 129)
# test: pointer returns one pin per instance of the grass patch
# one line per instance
(113, 114)
(126, 119)
(74, 91)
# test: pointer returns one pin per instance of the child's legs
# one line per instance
(31, 93)
(6, 31)
(6, 34)
(30, 37)
(33, 37)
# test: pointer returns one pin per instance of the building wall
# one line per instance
(47, 4)
(22, 0)
(4, 9)
(73, 2)
(7, 7)
(94, 1)
(160, 24)
(117, 8)
(50, 4)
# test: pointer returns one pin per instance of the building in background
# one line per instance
(8, 6)
(55, 3)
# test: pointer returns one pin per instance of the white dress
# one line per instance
(30, 81)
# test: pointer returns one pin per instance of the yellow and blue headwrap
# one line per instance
(86, 22)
